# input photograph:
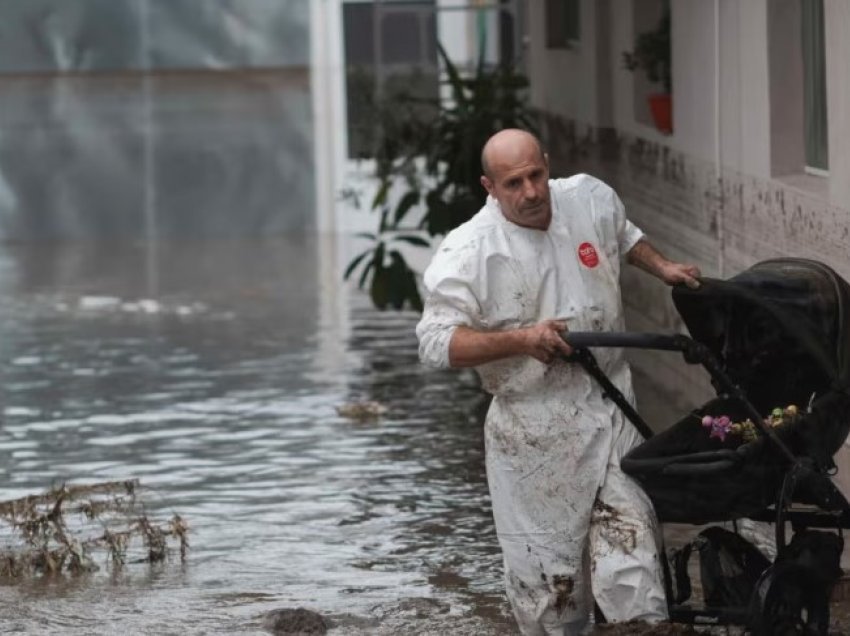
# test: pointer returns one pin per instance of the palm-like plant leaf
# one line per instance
(353, 264)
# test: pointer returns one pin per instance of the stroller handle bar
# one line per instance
(663, 342)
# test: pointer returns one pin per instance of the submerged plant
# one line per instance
(61, 530)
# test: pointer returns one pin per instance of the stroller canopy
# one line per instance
(780, 329)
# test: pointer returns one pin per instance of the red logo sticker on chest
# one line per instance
(587, 255)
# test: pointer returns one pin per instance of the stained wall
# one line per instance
(727, 188)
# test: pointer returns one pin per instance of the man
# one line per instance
(540, 258)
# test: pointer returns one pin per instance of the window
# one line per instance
(814, 87)
(390, 50)
(562, 23)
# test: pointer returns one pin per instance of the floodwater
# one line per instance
(211, 373)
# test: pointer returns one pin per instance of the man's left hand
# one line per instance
(650, 259)
(675, 273)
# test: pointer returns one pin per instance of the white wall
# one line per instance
(837, 18)
(564, 80)
(693, 78)
(567, 82)
(744, 88)
(755, 91)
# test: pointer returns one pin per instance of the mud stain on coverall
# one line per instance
(504, 443)
(618, 531)
(531, 440)
(596, 320)
(562, 587)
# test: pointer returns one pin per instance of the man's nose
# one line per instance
(529, 190)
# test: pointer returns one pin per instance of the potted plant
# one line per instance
(652, 55)
(433, 164)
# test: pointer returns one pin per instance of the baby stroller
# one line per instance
(774, 335)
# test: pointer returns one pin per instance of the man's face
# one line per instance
(520, 183)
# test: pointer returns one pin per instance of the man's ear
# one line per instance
(488, 185)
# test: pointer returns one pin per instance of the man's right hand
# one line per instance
(469, 348)
(543, 341)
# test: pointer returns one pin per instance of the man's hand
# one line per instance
(469, 348)
(544, 341)
(645, 256)
(674, 273)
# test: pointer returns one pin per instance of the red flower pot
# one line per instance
(661, 106)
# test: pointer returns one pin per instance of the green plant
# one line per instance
(433, 162)
(652, 54)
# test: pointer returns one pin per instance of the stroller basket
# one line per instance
(692, 478)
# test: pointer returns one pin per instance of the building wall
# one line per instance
(564, 80)
(838, 97)
(567, 81)
(722, 190)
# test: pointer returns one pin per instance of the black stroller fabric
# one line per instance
(780, 331)
(818, 551)
(729, 567)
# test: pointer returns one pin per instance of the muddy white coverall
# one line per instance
(567, 518)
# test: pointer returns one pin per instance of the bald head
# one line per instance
(506, 147)
(516, 174)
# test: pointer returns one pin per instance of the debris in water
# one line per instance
(98, 303)
(413, 607)
(361, 410)
(60, 530)
(295, 621)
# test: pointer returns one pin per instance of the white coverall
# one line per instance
(568, 519)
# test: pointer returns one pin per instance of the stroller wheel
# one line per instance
(789, 599)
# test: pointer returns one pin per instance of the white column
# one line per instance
(327, 85)
(330, 147)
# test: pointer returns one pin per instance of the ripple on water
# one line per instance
(228, 416)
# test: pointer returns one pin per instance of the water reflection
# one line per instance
(220, 395)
